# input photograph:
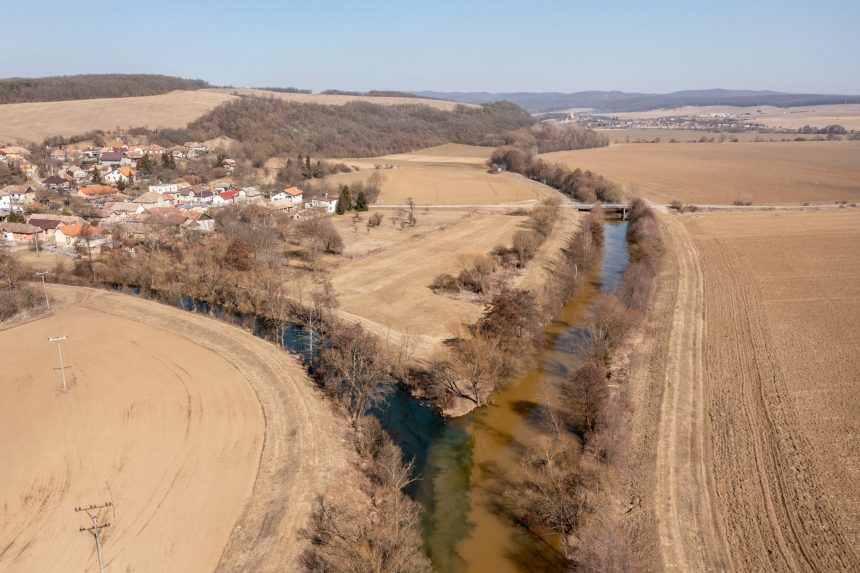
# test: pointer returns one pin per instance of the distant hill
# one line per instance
(615, 101)
(91, 86)
(267, 127)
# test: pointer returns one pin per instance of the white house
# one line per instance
(116, 176)
(15, 195)
(293, 195)
(162, 188)
(326, 202)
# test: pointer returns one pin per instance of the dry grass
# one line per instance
(762, 173)
(444, 175)
(389, 289)
(35, 121)
(782, 304)
(22, 122)
(341, 99)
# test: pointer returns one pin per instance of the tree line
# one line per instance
(270, 127)
(91, 86)
(580, 185)
(567, 483)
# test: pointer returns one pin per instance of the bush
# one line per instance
(445, 283)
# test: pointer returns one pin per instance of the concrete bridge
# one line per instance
(619, 210)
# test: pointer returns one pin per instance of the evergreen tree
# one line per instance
(361, 202)
(97, 176)
(144, 164)
(167, 160)
(344, 202)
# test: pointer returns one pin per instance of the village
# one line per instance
(89, 192)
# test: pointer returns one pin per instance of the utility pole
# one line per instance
(93, 512)
(44, 288)
(62, 368)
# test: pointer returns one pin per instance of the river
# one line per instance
(462, 464)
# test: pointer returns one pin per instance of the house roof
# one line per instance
(149, 197)
(126, 170)
(79, 230)
(97, 190)
(111, 156)
(53, 180)
(20, 228)
(44, 224)
(227, 195)
(293, 191)
(170, 215)
(17, 189)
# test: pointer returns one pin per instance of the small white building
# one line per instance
(326, 202)
(162, 188)
(293, 195)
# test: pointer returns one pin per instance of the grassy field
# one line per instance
(753, 360)
(22, 122)
(444, 175)
(35, 121)
(389, 289)
(325, 99)
(167, 413)
(761, 173)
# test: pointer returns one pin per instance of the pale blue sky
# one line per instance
(480, 45)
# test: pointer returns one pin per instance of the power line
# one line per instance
(44, 288)
(62, 368)
(93, 512)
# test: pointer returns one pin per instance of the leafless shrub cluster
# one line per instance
(379, 536)
(17, 295)
(578, 184)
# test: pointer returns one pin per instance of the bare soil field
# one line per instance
(846, 115)
(756, 424)
(389, 291)
(444, 175)
(210, 443)
(762, 173)
(324, 99)
(666, 136)
(35, 121)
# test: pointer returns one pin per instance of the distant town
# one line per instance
(109, 186)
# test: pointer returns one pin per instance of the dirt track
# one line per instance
(756, 458)
(211, 443)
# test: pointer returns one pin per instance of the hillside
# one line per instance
(270, 127)
(616, 101)
(91, 86)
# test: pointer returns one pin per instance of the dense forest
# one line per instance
(268, 127)
(91, 86)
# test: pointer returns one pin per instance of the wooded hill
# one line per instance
(91, 86)
(269, 127)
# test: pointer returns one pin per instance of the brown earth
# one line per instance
(747, 382)
(211, 443)
(444, 175)
(650, 134)
(703, 173)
